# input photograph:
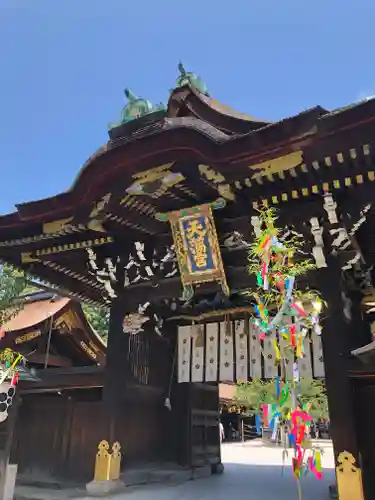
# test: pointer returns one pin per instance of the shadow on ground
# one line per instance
(240, 481)
(252, 472)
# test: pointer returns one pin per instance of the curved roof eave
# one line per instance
(199, 137)
(35, 313)
(224, 109)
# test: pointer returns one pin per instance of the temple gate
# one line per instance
(121, 237)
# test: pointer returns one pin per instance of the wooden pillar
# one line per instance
(6, 437)
(364, 399)
(181, 423)
(336, 336)
(117, 369)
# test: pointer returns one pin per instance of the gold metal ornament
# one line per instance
(349, 478)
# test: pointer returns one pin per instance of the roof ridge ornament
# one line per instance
(189, 78)
(136, 107)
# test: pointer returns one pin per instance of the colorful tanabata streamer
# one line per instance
(290, 323)
(292, 320)
(258, 425)
(297, 421)
(9, 361)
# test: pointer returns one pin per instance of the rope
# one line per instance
(167, 401)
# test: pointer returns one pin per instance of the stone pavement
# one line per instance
(252, 472)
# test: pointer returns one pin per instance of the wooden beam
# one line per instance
(53, 360)
(237, 277)
(128, 219)
(53, 290)
(60, 383)
(57, 380)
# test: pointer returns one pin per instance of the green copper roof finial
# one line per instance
(181, 69)
(135, 108)
(131, 97)
(189, 78)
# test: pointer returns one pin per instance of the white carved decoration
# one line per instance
(158, 324)
(342, 240)
(236, 241)
(109, 289)
(350, 263)
(133, 323)
(140, 247)
(138, 269)
(92, 259)
(330, 207)
(106, 275)
(361, 220)
(255, 222)
(168, 258)
(318, 252)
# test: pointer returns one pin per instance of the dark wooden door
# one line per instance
(88, 427)
(204, 424)
(38, 445)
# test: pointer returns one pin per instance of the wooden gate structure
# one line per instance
(120, 238)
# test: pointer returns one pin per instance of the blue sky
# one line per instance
(65, 63)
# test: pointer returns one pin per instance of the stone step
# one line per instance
(35, 493)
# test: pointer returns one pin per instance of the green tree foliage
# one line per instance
(313, 392)
(12, 284)
(98, 317)
(253, 394)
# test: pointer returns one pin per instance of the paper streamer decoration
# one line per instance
(197, 366)
(255, 352)
(212, 345)
(241, 350)
(226, 367)
(247, 354)
(184, 348)
(318, 360)
(269, 356)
